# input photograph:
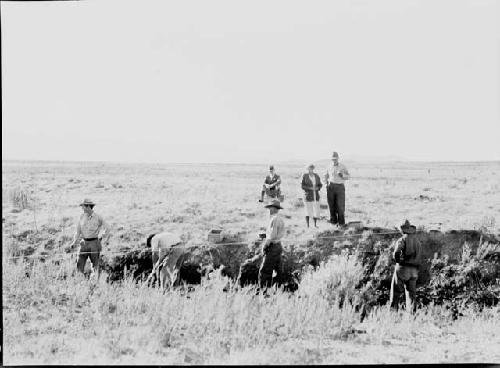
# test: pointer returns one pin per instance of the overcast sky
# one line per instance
(250, 81)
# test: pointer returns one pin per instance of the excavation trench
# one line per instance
(372, 245)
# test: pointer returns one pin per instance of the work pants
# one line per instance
(169, 273)
(404, 281)
(335, 194)
(271, 262)
(89, 249)
(271, 193)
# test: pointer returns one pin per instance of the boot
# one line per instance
(315, 221)
(262, 196)
(307, 221)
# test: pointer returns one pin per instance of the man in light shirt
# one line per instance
(88, 230)
(335, 178)
(166, 248)
(271, 247)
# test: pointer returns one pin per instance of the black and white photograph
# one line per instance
(227, 182)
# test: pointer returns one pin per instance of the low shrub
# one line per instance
(474, 281)
(335, 280)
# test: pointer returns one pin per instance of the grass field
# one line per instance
(50, 319)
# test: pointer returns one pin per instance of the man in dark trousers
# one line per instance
(271, 247)
(271, 185)
(408, 256)
(335, 177)
(92, 230)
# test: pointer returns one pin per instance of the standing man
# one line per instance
(335, 177)
(89, 227)
(271, 247)
(271, 185)
(408, 254)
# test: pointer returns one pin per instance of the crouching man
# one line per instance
(407, 254)
(168, 255)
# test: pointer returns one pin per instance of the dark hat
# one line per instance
(271, 167)
(335, 154)
(310, 166)
(87, 202)
(274, 203)
(406, 227)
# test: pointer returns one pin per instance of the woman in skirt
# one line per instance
(311, 184)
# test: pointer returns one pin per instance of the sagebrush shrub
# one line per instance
(334, 280)
(475, 280)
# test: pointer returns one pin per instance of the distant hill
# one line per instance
(349, 159)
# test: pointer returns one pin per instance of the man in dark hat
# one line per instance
(271, 185)
(407, 254)
(271, 247)
(335, 177)
(89, 228)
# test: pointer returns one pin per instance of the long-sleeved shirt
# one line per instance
(275, 229)
(90, 226)
(162, 243)
(413, 250)
(332, 174)
(311, 186)
(274, 180)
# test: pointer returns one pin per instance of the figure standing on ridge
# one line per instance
(311, 185)
(271, 187)
(335, 177)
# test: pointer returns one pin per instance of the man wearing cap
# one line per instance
(335, 177)
(89, 228)
(271, 247)
(407, 254)
(271, 185)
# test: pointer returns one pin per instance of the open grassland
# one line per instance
(191, 199)
(51, 318)
(48, 320)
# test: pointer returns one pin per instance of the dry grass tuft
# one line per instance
(20, 198)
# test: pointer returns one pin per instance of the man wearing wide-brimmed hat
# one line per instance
(271, 247)
(94, 230)
(407, 254)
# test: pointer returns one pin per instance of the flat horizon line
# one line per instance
(289, 162)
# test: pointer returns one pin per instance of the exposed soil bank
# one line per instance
(373, 245)
(443, 275)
